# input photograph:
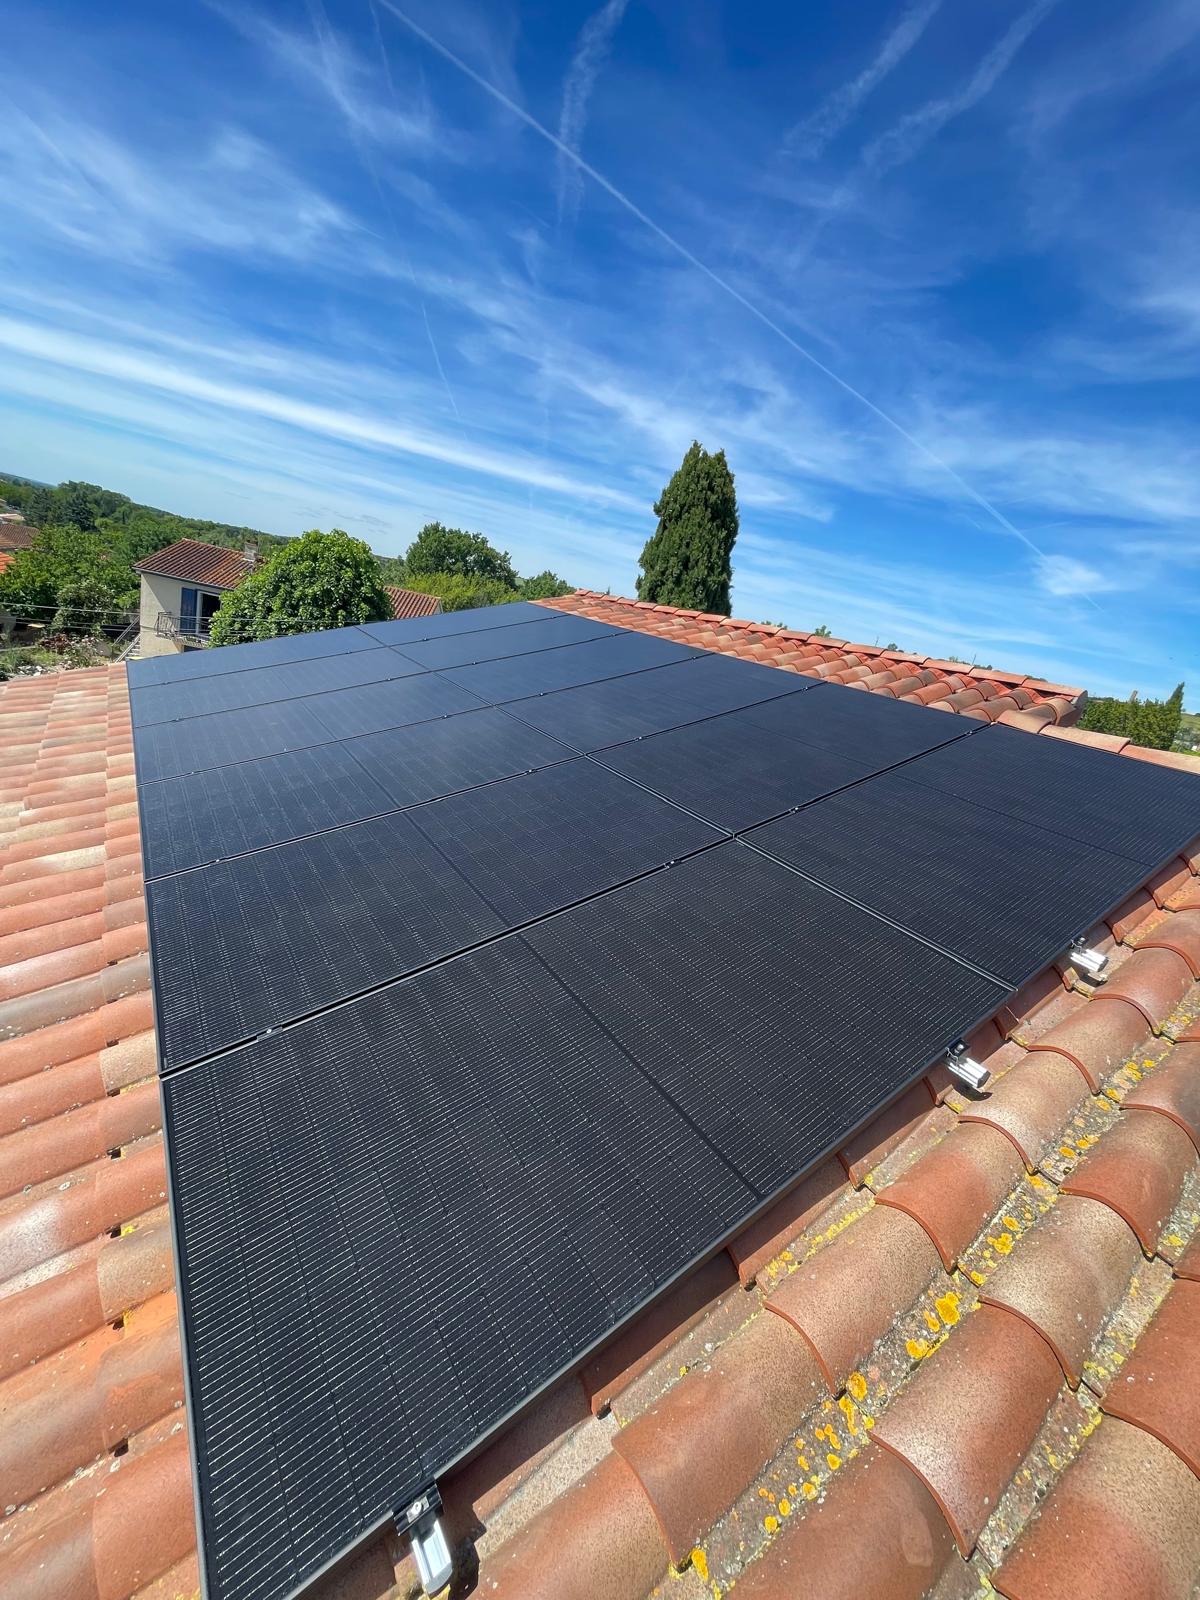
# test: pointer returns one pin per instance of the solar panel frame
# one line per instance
(588, 1040)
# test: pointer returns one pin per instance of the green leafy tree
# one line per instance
(687, 560)
(823, 632)
(1151, 723)
(466, 555)
(85, 606)
(459, 593)
(320, 580)
(545, 586)
(61, 555)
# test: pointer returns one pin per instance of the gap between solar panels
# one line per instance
(455, 1087)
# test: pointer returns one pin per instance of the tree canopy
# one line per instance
(1152, 723)
(687, 561)
(544, 586)
(459, 593)
(320, 580)
(61, 556)
(438, 549)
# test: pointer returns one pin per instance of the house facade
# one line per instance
(182, 586)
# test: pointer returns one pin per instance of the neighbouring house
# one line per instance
(183, 585)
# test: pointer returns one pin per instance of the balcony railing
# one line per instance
(182, 630)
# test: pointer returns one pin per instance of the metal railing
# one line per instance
(182, 630)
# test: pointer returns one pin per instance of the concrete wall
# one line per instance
(158, 594)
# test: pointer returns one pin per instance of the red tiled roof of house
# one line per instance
(411, 603)
(192, 561)
(979, 692)
(967, 1351)
(16, 536)
(6, 559)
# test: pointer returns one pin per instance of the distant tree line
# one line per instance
(1152, 723)
(464, 570)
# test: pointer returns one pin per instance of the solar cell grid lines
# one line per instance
(508, 960)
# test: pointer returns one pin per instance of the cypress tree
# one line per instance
(687, 560)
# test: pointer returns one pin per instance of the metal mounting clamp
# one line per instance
(1088, 959)
(419, 1520)
(969, 1072)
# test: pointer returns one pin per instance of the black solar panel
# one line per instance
(166, 749)
(376, 706)
(503, 1158)
(408, 630)
(1126, 806)
(306, 924)
(1000, 893)
(196, 697)
(852, 722)
(600, 714)
(436, 758)
(535, 1039)
(733, 772)
(210, 816)
(564, 668)
(492, 644)
(211, 662)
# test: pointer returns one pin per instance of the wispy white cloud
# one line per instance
(229, 194)
(837, 111)
(591, 52)
(145, 369)
(1069, 577)
(903, 141)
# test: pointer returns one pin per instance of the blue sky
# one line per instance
(926, 271)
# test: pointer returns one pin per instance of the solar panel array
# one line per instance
(505, 963)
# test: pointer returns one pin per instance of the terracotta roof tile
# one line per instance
(1158, 1389)
(1138, 1170)
(697, 1450)
(970, 1415)
(1122, 1524)
(1067, 1277)
(193, 561)
(836, 660)
(1180, 933)
(845, 1298)
(1154, 981)
(1031, 1103)
(758, 1244)
(1173, 1091)
(876, 1535)
(1097, 1040)
(956, 1187)
(868, 1148)
(411, 603)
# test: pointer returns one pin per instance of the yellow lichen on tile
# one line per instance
(1002, 1242)
(917, 1348)
(947, 1306)
(856, 1386)
(700, 1562)
(834, 1461)
(809, 1491)
(771, 1524)
(931, 1322)
(784, 1508)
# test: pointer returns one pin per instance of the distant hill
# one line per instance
(139, 529)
